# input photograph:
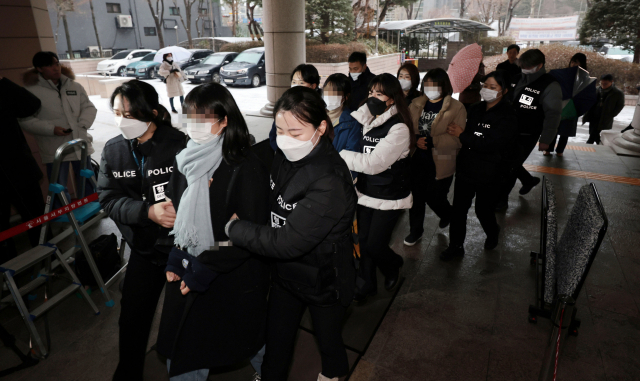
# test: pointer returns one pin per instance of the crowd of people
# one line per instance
(244, 238)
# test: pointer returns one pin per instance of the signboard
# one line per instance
(545, 29)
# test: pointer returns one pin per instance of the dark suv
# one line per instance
(197, 55)
(208, 70)
(246, 69)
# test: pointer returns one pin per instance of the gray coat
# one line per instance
(610, 108)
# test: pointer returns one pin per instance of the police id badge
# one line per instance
(158, 191)
(277, 221)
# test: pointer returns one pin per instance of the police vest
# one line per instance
(393, 183)
(528, 106)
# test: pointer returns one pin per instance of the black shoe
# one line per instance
(501, 206)
(174, 111)
(391, 281)
(492, 242)
(412, 239)
(362, 297)
(452, 252)
(444, 222)
(627, 129)
(526, 188)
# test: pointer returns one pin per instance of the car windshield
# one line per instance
(214, 60)
(249, 57)
(618, 52)
(149, 57)
(120, 56)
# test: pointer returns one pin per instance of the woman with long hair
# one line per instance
(434, 161)
(312, 204)
(135, 168)
(207, 324)
(347, 130)
(174, 78)
(486, 157)
(409, 78)
(383, 181)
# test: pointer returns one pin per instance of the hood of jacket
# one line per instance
(32, 77)
(368, 121)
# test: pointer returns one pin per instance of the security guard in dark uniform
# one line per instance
(135, 169)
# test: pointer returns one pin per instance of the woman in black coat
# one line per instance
(312, 207)
(216, 301)
(483, 161)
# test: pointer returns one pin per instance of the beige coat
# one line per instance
(446, 147)
(174, 82)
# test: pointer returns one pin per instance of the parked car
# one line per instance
(145, 68)
(616, 53)
(209, 69)
(246, 69)
(197, 55)
(118, 63)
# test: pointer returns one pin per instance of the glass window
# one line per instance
(174, 11)
(139, 54)
(149, 57)
(215, 59)
(170, 23)
(249, 57)
(149, 31)
(203, 11)
(113, 8)
(122, 55)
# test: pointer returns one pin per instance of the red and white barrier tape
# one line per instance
(555, 369)
(46, 217)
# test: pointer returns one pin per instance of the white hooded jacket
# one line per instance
(68, 108)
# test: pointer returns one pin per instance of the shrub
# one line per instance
(492, 46)
(241, 46)
(626, 74)
(333, 53)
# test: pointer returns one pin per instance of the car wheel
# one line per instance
(122, 72)
(255, 81)
(151, 73)
(215, 78)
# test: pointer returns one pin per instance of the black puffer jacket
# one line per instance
(487, 142)
(313, 202)
(132, 178)
(359, 89)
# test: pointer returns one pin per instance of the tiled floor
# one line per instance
(462, 320)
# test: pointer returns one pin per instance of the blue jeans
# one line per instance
(63, 177)
(196, 375)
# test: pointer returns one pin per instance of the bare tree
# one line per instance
(255, 30)
(489, 10)
(505, 21)
(187, 5)
(463, 7)
(202, 12)
(95, 27)
(158, 18)
(62, 7)
(234, 4)
(409, 9)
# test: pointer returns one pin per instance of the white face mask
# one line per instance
(201, 132)
(355, 76)
(530, 71)
(489, 95)
(170, 59)
(295, 149)
(131, 128)
(332, 101)
(432, 92)
(405, 84)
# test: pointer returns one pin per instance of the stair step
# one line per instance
(27, 288)
(57, 298)
(28, 259)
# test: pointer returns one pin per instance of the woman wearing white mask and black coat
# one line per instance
(486, 158)
(135, 169)
(215, 306)
(312, 207)
(383, 181)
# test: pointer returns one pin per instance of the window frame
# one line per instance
(150, 28)
(111, 5)
(171, 10)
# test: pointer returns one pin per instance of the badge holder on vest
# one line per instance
(80, 219)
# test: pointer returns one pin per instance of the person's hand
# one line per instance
(184, 289)
(543, 147)
(59, 131)
(172, 277)
(422, 143)
(234, 217)
(163, 214)
(454, 129)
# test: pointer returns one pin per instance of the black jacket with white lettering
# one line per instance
(487, 142)
(126, 194)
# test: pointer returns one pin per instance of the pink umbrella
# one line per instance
(464, 66)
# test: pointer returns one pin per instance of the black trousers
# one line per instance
(171, 102)
(28, 201)
(562, 143)
(374, 234)
(283, 320)
(525, 144)
(427, 190)
(143, 283)
(463, 193)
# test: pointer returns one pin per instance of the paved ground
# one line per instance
(464, 320)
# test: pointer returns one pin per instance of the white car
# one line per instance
(117, 64)
(616, 53)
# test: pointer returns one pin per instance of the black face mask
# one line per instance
(376, 106)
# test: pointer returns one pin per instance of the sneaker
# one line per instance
(452, 252)
(526, 188)
(256, 377)
(444, 222)
(492, 242)
(412, 239)
(174, 111)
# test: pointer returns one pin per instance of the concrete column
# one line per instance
(24, 30)
(284, 42)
